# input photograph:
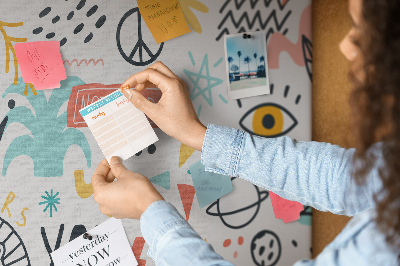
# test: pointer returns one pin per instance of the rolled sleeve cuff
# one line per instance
(158, 219)
(221, 149)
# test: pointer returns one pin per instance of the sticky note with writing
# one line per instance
(118, 126)
(287, 210)
(41, 63)
(209, 186)
(164, 18)
(108, 246)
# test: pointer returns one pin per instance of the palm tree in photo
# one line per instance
(230, 60)
(239, 55)
(255, 58)
(247, 61)
(262, 59)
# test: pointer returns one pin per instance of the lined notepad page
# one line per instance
(118, 126)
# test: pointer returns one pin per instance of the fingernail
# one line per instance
(115, 160)
(127, 87)
(128, 94)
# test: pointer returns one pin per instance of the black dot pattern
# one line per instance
(81, 4)
(98, 24)
(70, 15)
(92, 10)
(100, 21)
(37, 30)
(55, 19)
(44, 12)
(63, 41)
(78, 28)
(50, 35)
(88, 38)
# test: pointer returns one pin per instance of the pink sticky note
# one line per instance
(288, 211)
(41, 64)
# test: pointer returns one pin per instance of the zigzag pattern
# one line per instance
(84, 61)
(251, 22)
(253, 3)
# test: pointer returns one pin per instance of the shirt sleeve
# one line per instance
(172, 240)
(313, 173)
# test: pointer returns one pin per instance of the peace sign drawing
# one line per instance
(141, 54)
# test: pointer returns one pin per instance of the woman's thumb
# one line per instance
(138, 100)
(117, 167)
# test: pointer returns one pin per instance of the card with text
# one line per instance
(118, 126)
(209, 186)
(108, 246)
(164, 18)
(41, 63)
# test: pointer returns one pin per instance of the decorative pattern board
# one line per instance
(47, 155)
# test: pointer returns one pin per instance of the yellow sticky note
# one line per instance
(164, 18)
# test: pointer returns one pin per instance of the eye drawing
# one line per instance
(268, 120)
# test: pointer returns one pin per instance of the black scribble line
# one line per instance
(287, 88)
(298, 99)
(253, 3)
(250, 23)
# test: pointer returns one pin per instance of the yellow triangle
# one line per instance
(185, 153)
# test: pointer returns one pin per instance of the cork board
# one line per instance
(331, 89)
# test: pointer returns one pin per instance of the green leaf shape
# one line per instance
(51, 139)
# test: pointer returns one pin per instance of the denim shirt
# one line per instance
(312, 173)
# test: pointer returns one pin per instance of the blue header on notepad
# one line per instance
(93, 107)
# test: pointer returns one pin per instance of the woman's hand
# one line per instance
(128, 197)
(174, 113)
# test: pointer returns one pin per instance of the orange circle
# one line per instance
(227, 242)
(240, 240)
(258, 117)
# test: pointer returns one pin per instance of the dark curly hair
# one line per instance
(375, 103)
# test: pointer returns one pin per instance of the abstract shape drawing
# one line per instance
(12, 248)
(195, 79)
(189, 16)
(265, 248)
(46, 241)
(268, 120)
(83, 189)
(284, 209)
(187, 193)
(50, 201)
(307, 53)
(246, 211)
(246, 23)
(87, 63)
(10, 47)
(137, 248)
(184, 154)
(306, 216)
(162, 180)
(98, 24)
(11, 105)
(51, 139)
(140, 44)
(279, 43)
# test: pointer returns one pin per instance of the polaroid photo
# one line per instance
(246, 64)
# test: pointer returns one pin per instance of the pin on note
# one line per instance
(41, 64)
(164, 18)
(106, 244)
(118, 126)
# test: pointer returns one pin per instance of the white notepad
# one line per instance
(118, 126)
